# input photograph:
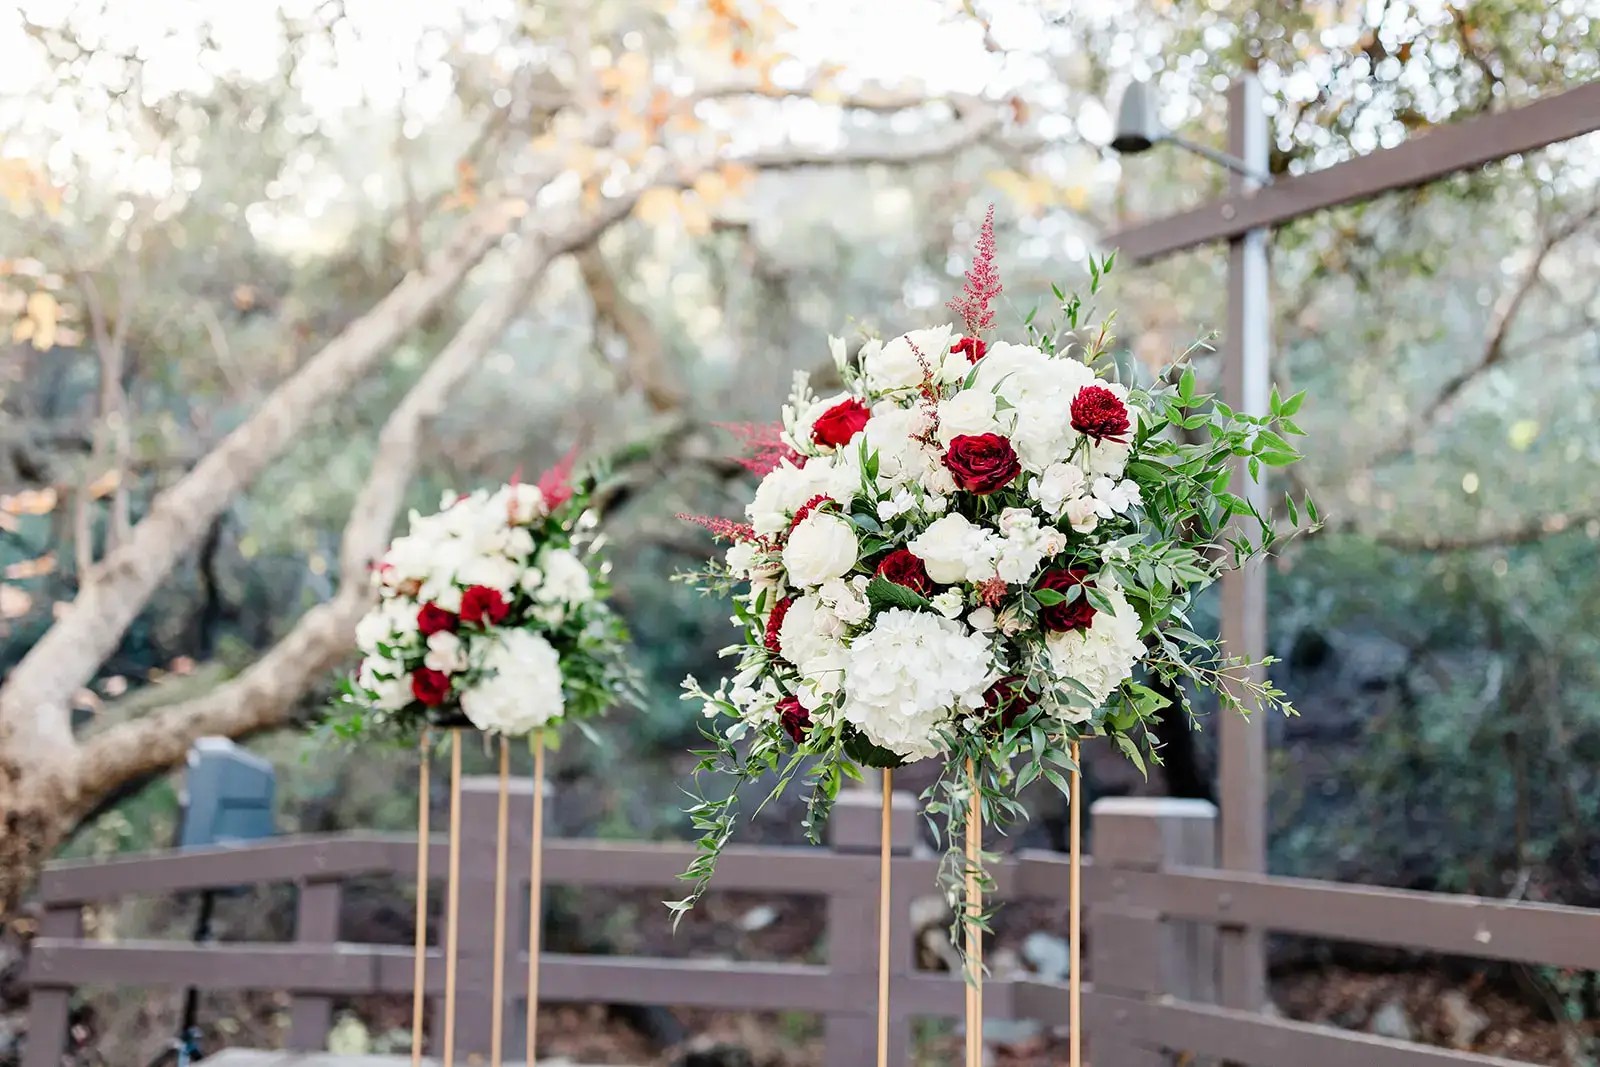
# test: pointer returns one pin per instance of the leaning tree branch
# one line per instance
(645, 362)
(34, 698)
(265, 693)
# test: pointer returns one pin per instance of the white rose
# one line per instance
(900, 363)
(809, 630)
(823, 546)
(445, 653)
(955, 550)
(969, 412)
(1081, 514)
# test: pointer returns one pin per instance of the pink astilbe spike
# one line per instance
(556, 483)
(723, 529)
(983, 282)
(763, 446)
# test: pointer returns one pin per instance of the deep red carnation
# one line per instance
(1077, 614)
(1098, 413)
(432, 619)
(1008, 698)
(775, 624)
(430, 686)
(903, 567)
(482, 606)
(983, 463)
(840, 423)
(795, 717)
(973, 348)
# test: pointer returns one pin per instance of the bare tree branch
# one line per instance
(645, 359)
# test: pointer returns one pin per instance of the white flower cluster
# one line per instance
(928, 531)
(470, 598)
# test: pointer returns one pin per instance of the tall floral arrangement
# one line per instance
(490, 613)
(978, 550)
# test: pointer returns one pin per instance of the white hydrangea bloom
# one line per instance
(1099, 658)
(522, 687)
(908, 674)
(566, 578)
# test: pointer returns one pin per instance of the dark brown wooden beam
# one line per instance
(1428, 157)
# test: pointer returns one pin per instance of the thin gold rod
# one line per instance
(1075, 918)
(419, 970)
(498, 989)
(885, 852)
(535, 895)
(453, 902)
(974, 895)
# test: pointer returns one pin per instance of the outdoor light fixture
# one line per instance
(1139, 129)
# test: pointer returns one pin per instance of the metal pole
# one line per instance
(1246, 385)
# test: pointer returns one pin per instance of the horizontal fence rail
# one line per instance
(1154, 905)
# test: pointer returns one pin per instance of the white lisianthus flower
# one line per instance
(822, 546)
(982, 619)
(846, 599)
(897, 505)
(955, 550)
(948, 603)
(1115, 498)
(446, 653)
(566, 579)
(1057, 484)
(970, 412)
(521, 690)
(1099, 657)
(908, 674)
(1019, 558)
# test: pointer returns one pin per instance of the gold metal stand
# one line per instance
(419, 972)
(535, 896)
(974, 916)
(453, 901)
(1075, 917)
(498, 987)
(885, 851)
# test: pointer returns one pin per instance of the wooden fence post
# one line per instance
(1136, 953)
(855, 828)
(48, 1005)
(316, 923)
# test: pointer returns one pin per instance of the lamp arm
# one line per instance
(1233, 163)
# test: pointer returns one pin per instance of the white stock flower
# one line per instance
(954, 550)
(846, 599)
(1099, 658)
(822, 546)
(908, 674)
(521, 689)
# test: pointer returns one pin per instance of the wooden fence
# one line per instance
(1154, 905)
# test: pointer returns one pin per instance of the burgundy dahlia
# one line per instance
(1097, 412)
(430, 686)
(1066, 615)
(432, 619)
(482, 606)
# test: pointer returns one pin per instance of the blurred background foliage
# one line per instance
(229, 189)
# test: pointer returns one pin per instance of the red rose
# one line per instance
(903, 567)
(971, 347)
(775, 624)
(840, 423)
(1074, 615)
(1008, 698)
(982, 464)
(482, 606)
(795, 718)
(1097, 413)
(430, 686)
(432, 619)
